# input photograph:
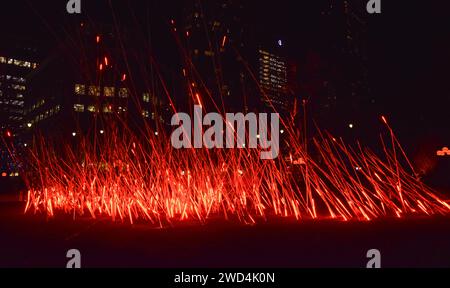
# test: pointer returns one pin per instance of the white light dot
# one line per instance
(350, 126)
(74, 134)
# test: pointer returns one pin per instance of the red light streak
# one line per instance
(149, 181)
(224, 41)
(197, 96)
(138, 176)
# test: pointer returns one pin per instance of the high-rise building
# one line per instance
(15, 66)
(214, 35)
(347, 27)
(273, 80)
(17, 62)
(90, 82)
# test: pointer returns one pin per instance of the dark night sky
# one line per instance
(409, 47)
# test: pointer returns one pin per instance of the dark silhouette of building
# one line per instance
(91, 80)
(217, 43)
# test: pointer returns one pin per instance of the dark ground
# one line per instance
(34, 241)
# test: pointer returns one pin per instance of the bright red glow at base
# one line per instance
(131, 178)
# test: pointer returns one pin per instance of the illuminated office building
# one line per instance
(273, 80)
(16, 64)
(14, 70)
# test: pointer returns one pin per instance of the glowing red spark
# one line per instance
(224, 40)
(197, 95)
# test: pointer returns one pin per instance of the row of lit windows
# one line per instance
(276, 64)
(13, 78)
(55, 110)
(276, 88)
(273, 84)
(272, 58)
(19, 103)
(275, 74)
(15, 118)
(17, 87)
(80, 108)
(265, 53)
(37, 105)
(19, 63)
(273, 79)
(273, 69)
(92, 90)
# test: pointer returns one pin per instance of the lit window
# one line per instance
(146, 97)
(80, 89)
(107, 109)
(18, 87)
(3, 59)
(109, 91)
(94, 91)
(78, 108)
(123, 93)
(209, 53)
(146, 114)
(92, 109)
